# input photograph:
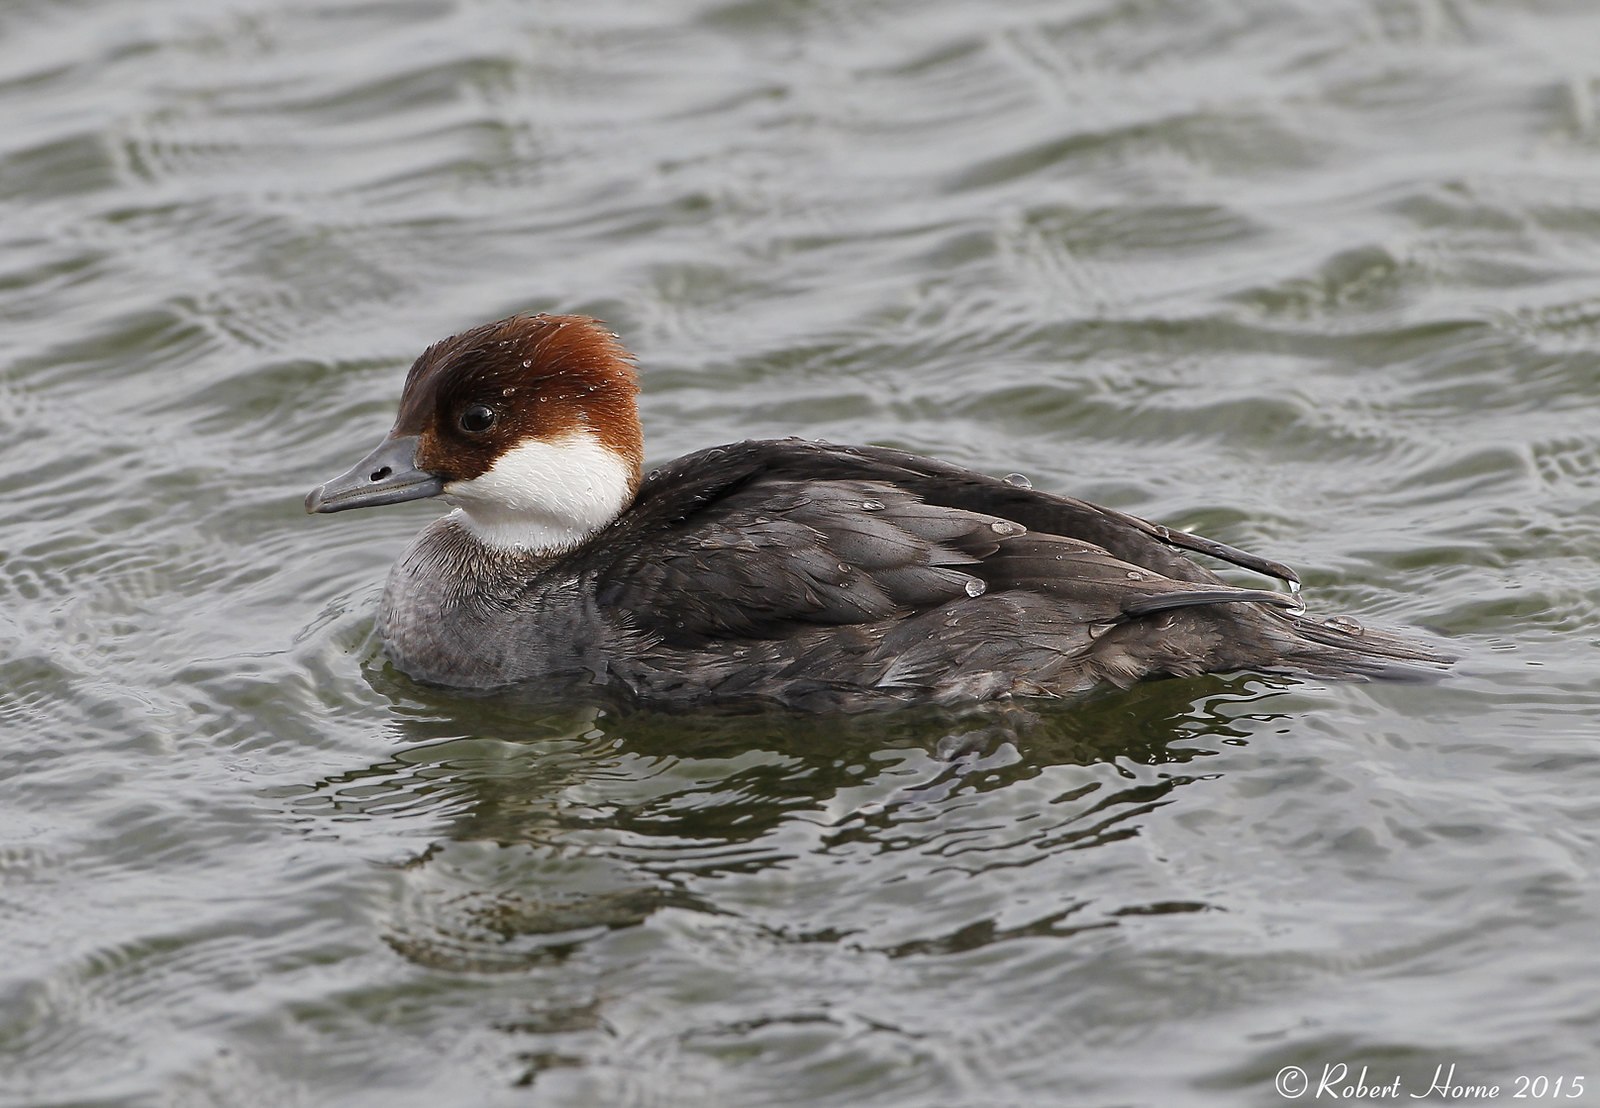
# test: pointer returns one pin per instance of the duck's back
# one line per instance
(833, 577)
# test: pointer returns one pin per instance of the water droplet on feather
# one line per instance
(1299, 602)
(1018, 480)
(872, 505)
(975, 587)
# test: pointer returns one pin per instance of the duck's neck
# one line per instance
(536, 537)
(460, 612)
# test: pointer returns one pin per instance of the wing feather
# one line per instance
(767, 540)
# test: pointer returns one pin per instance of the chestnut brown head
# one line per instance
(529, 424)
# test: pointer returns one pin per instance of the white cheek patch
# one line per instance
(545, 496)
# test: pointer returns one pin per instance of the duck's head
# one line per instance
(529, 425)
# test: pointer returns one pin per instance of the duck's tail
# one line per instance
(1342, 648)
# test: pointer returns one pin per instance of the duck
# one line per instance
(798, 573)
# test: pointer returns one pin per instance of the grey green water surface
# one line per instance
(1320, 279)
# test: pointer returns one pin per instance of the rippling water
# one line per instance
(1317, 279)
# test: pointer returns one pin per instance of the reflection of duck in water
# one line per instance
(815, 575)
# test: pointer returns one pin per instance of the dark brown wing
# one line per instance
(763, 540)
(1129, 538)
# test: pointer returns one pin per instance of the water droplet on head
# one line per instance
(975, 587)
(872, 505)
(1018, 480)
(527, 363)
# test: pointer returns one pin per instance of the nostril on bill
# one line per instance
(380, 474)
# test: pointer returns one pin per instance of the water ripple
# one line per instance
(1316, 280)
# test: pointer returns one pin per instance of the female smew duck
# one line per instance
(817, 576)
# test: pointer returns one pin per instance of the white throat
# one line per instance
(545, 496)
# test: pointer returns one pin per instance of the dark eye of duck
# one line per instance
(476, 418)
